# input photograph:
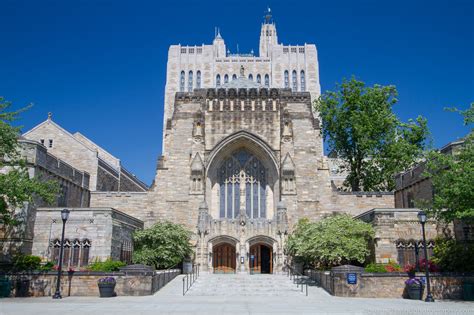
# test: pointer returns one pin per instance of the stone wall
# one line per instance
(389, 285)
(85, 283)
(398, 224)
(105, 228)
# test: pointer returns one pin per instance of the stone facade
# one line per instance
(106, 171)
(103, 230)
(243, 159)
(74, 192)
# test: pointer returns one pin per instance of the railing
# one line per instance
(163, 277)
(190, 278)
(298, 279)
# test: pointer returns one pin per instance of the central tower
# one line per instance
(268, 36)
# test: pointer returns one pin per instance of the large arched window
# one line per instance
(190, 81)
(198, 79)
(250, 77)
(181, 81)
(302, 81)
(218, 80)
(242, 173)
(294, 81)
(287, 80)
(234, 77)
(267, 80)
(259, 78)
(226, 78)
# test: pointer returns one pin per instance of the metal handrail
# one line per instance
(297, 278)
(190, 279)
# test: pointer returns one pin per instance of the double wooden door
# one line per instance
(261, 259)
(223, 258)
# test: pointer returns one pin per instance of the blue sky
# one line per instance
(100, 66)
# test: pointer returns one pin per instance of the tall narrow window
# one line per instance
(226, 78)
(76, 249)
(190, 81)
(242, 168)
(55, 248)
(294, 81)
(234, 77)
(66, 253)
(287, 80)
(302, 81)
(259, 78)
(86, 246)
(198, 79)
(50, 143)
(267, 80)
(250, 77)
(218, 80)
(181, 81)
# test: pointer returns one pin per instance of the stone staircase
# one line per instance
(233, 285)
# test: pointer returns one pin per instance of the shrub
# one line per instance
(452, 255)
(47, 266)
(377, 268)
(422, 264)
(26, 263)
(106, 266)
(333, 241)
(163, 245)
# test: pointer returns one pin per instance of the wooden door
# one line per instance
(223, 258)
(261, 259)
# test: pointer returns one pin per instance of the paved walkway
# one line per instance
(229, 294)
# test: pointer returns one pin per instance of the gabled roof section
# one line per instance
(197, 165)
(103, 154)
(288, 166)
(50, 122)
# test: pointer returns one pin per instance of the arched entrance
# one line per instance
(261, 258)
(223, 258)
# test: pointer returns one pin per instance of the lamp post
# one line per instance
(64, 217)
(422, 219)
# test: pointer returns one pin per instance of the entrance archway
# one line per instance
(261, 258)
(223, 258)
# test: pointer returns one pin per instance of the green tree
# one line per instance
(452, 176)
(333, 241)
(362, 129)
(16, 186)
(163, 245)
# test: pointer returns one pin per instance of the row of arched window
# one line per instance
(182, 81)
(76, 252)
(294, 80)
(250, 77)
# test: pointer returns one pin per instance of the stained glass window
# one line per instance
(242, 168)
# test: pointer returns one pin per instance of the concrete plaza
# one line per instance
(213, 294)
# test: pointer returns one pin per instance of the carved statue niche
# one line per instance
(287, 132)
(198, 132)
(197, 175)
(281, 218)
(288, 185)
(203, 219)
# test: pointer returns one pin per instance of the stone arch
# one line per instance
(257, 147)
(263, 239)
(223, 239)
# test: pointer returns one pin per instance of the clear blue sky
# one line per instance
(100, 66)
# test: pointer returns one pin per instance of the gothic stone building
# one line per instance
(242, 161)
(242, 154)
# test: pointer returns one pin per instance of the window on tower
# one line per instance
(218, 80)
(198, 79)
(302, 81)
(294, 81)
(181, 81)
(234, 77)
(259, 78)
(287, 80)
(190, 81)
(267, 80)
(226, 78)
(250, 77)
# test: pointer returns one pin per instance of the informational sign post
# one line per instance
(351, 278)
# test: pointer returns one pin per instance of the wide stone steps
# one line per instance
(243, 285)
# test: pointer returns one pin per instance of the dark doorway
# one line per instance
(223, 258)
(261, 259)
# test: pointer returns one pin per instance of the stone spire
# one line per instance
(268, 35)
(219, 44)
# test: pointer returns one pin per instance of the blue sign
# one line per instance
(423, 280)
(351, 278)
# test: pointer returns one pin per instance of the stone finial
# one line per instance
(50, 115)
